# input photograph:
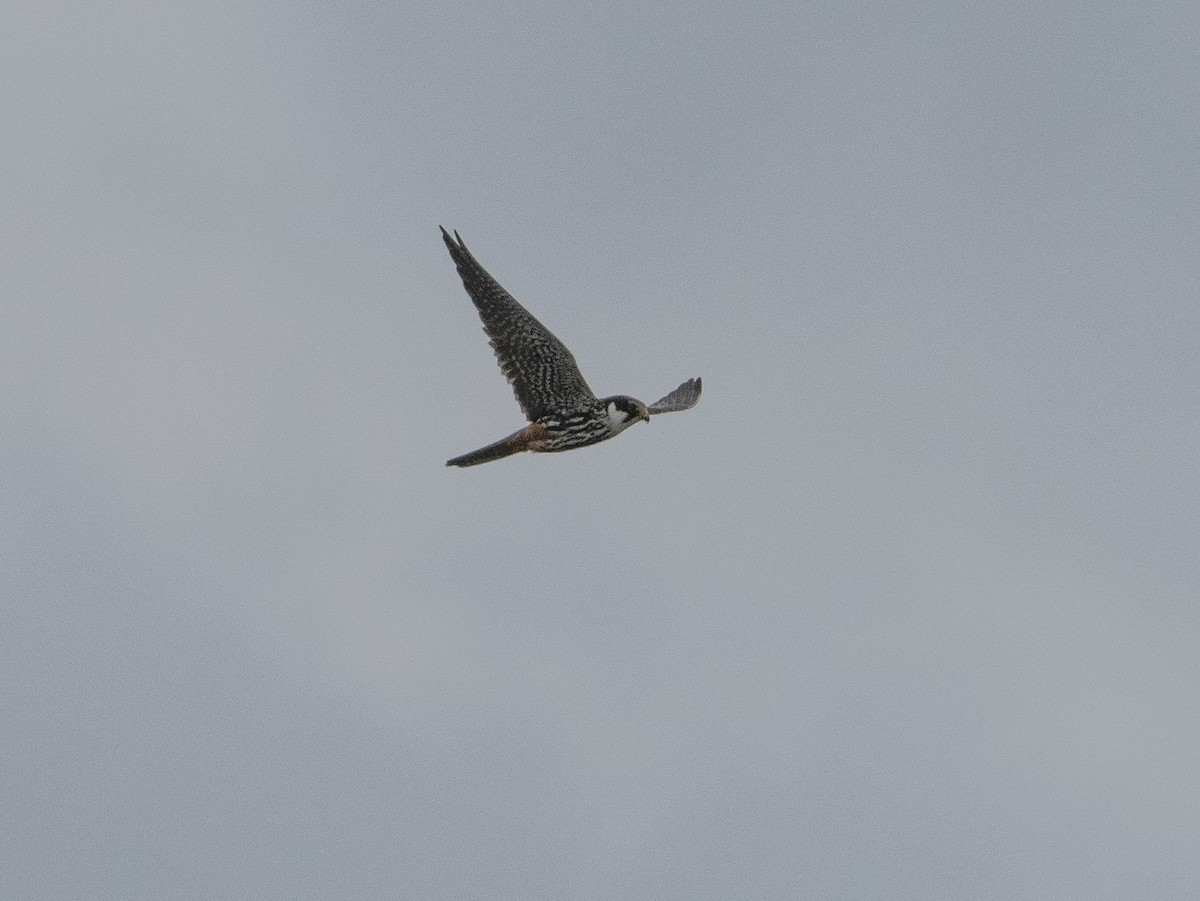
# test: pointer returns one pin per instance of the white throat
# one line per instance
(616, 418)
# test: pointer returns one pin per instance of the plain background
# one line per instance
(905, 608)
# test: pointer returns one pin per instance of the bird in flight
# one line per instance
(563, 412)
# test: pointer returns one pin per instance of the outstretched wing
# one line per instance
(541, 370)
(682, 398)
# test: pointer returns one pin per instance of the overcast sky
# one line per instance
(907, 607)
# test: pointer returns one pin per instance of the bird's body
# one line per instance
(563, 412)
(561, 432)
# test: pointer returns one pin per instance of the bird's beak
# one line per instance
(645, 415)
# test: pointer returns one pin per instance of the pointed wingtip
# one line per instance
(456, 242)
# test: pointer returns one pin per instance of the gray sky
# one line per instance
(905, 608)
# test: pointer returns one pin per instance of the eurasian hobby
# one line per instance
(563, 412)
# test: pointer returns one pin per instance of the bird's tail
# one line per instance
(505, 447)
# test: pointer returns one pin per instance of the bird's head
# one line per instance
(625, 411)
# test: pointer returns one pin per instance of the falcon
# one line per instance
(563, 412)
